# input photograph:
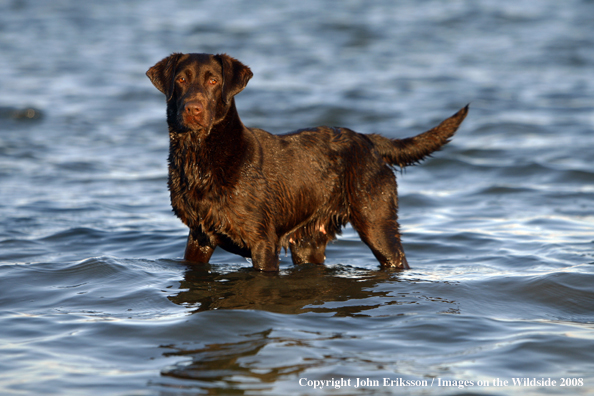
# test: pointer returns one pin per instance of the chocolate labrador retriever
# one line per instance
(253, 193)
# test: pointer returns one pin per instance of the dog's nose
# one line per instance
(194, 108)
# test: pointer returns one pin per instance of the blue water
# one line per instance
(95, 298)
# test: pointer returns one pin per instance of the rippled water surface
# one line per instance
(95, 298)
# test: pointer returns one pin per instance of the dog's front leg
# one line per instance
(199, 248)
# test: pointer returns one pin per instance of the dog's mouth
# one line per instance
(194, 123)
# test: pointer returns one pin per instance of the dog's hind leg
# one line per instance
(375, 217)
(382, 236)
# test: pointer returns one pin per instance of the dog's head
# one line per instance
(199, 88)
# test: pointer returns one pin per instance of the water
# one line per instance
(498, 227)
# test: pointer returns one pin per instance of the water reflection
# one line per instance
(305, 288)
(350, 300)
(342, 290)
(220, 363)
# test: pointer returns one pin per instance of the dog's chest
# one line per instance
(203, 199)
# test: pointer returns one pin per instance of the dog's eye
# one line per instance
(181, 80)
(212, 81)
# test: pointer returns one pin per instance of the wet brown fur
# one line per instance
(253, 193)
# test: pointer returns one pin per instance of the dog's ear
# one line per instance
(161, 75)
(235, 76)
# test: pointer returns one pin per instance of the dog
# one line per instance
(253, 193)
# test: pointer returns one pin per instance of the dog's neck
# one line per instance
(200, 161)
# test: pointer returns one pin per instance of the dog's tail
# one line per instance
(410, 151)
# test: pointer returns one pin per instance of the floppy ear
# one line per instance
(161, 75)
(235, 76)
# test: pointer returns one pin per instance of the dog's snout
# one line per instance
(194, 108)
(193, 113)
